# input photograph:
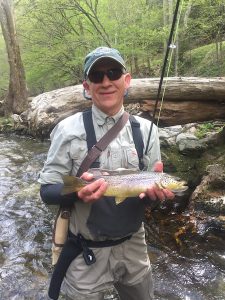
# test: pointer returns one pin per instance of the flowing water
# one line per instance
(195, 273)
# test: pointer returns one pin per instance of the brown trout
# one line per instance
(126, 183)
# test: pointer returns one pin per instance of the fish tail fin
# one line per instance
(72, 184)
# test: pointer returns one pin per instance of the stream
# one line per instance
(195, 273)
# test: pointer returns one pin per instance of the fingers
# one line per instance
(158, 166)
(169, 195)
(156, 193)
(93, 191)
(87, 176)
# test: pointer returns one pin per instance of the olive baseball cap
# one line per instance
(100, 53)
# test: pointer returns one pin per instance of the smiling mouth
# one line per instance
(107, 93)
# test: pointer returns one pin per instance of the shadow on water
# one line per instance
(193, 271)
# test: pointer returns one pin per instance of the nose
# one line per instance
(106, 81)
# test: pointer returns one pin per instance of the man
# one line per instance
(125, 266)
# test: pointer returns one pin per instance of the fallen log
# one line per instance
(179, 88)
(183, 112)
(186, 100)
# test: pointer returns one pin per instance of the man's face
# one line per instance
(108, 95)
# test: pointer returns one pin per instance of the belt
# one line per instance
(74, 246)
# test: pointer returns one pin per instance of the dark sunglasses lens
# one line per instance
(96, 76)
(114, 74)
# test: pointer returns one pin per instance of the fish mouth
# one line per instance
(175, 187)
(180, 190)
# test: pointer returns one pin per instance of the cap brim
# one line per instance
(102, 58)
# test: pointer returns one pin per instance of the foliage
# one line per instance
(205, 128)
(55, 36)
(204, 61)
(6, 124)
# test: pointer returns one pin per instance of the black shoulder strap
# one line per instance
(89, 128)
(91, 137)
(138, 140)
(90, 132)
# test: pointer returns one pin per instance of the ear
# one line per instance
(86, 85)
(127, 78)
(86, 91)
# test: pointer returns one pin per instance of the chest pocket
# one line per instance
(113, 159)
(131, 158)
(122, 157)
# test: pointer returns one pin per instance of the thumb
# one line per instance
(158, 166)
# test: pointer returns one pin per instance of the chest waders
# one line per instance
(75, 245)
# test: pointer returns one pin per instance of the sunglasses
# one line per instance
(98, 76)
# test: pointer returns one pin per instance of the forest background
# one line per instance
(55, 35)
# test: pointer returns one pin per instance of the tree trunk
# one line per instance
(16, 100)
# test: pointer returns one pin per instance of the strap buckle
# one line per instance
(88, 254)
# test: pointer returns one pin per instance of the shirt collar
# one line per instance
(102, 118)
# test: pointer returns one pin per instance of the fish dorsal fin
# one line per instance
(105, 172)
(123, 171)
(99, 172)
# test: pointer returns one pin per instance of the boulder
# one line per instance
(209, 195)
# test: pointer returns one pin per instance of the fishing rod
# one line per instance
(169, 45)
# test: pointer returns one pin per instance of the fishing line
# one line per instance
(163, 71)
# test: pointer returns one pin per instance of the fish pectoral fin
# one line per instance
(119, 200)
(159, 185)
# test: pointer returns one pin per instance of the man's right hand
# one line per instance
(154, 192)
(93, 191)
